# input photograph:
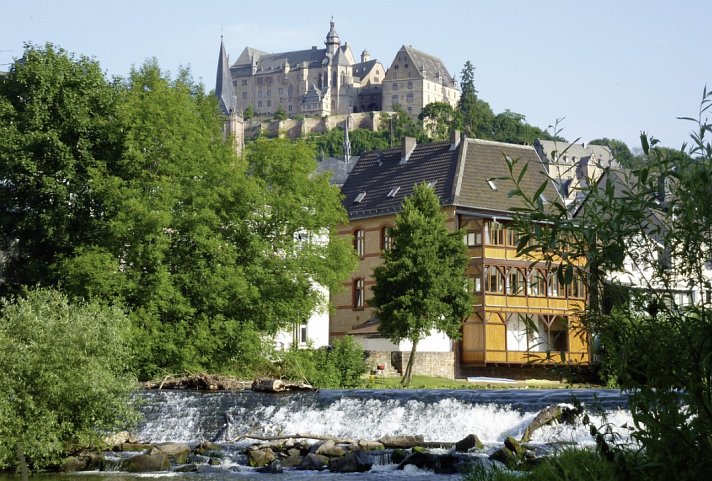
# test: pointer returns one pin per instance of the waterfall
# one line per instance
(438, 415)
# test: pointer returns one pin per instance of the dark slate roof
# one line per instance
(338, 167)
(224, 90)
(461, 176)
(484, 160)
(362, 69)
(378, 172)
(432, 65)
(274, 62)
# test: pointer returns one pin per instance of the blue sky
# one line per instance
(611, 68)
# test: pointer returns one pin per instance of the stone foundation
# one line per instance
(436, 364)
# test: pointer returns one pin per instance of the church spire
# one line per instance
(224, 90)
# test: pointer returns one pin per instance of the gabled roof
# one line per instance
(428, 66)
(379, 172)
(362, 69)
(460, 174)
(484, 161)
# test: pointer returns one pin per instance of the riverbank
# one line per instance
(217, 382)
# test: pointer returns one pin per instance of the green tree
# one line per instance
(420, 286)
(619, 149)
(54, 137)
(248, 113)
(477, 115)
(157, 213)
(280, 114)
(654, 224)
(439, 118)
(65, 377)
(400, 125)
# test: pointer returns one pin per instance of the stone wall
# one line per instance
(437, 364)
(295, 128)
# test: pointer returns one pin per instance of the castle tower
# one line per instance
(227, 100)
(332, 39)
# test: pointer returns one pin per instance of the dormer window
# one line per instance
(393, 192)
(491, 184)
(359, 198)
(432, 183)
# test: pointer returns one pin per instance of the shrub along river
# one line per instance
(227, 419)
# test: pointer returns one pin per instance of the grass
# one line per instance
(426, 382)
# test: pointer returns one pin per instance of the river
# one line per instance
(438, 415)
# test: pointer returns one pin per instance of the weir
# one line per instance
(438, 415)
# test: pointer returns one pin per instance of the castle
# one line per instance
(329, 81)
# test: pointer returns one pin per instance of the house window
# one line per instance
(474, 284)
(576, 289)
(495, 233)
(513, 237)
(494, 280)
(360, 242)
(536, 283)
(473, 238)
(554, 288)
(386, 239)
(358, 293)
(515, 282)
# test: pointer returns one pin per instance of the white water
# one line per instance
(444, 417)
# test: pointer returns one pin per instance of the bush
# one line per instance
(334, 367)
(568, 465)
(64, 376)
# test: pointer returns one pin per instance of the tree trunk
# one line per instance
(408, 374)
(22, 462)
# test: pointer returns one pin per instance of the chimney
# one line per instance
(454, 139)
(407, 147)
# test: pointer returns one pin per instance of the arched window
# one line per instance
(494, 280)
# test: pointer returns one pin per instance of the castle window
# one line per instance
(259, 104)
(394, 99)
(405, 65)
(269, 92)
(289, 108)
(409, 98)
(410, 84)
(269, 103)
(410, 109)
(234, 82)
(244, 95)
(244, 82)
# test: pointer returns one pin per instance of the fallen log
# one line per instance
(277, 385)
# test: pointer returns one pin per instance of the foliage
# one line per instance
(567, 465)
(651, 225)
(64, 370)
(248, 113)
(280, 114)
(618, 148)
(335, 367)
(129, 192)
(331, 143)
(419, 287)
(439, 118)
(401, 124)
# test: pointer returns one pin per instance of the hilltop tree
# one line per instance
(477, 115)
(619, 149)
(439, 118)
(419, 287)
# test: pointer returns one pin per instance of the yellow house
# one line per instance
(521, 314)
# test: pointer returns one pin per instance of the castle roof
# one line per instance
(428, 66)
(223, 83)
(274, 62)
(362, 69)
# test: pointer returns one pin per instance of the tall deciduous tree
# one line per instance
(128, 191)
(439, 118)
(420, 286)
